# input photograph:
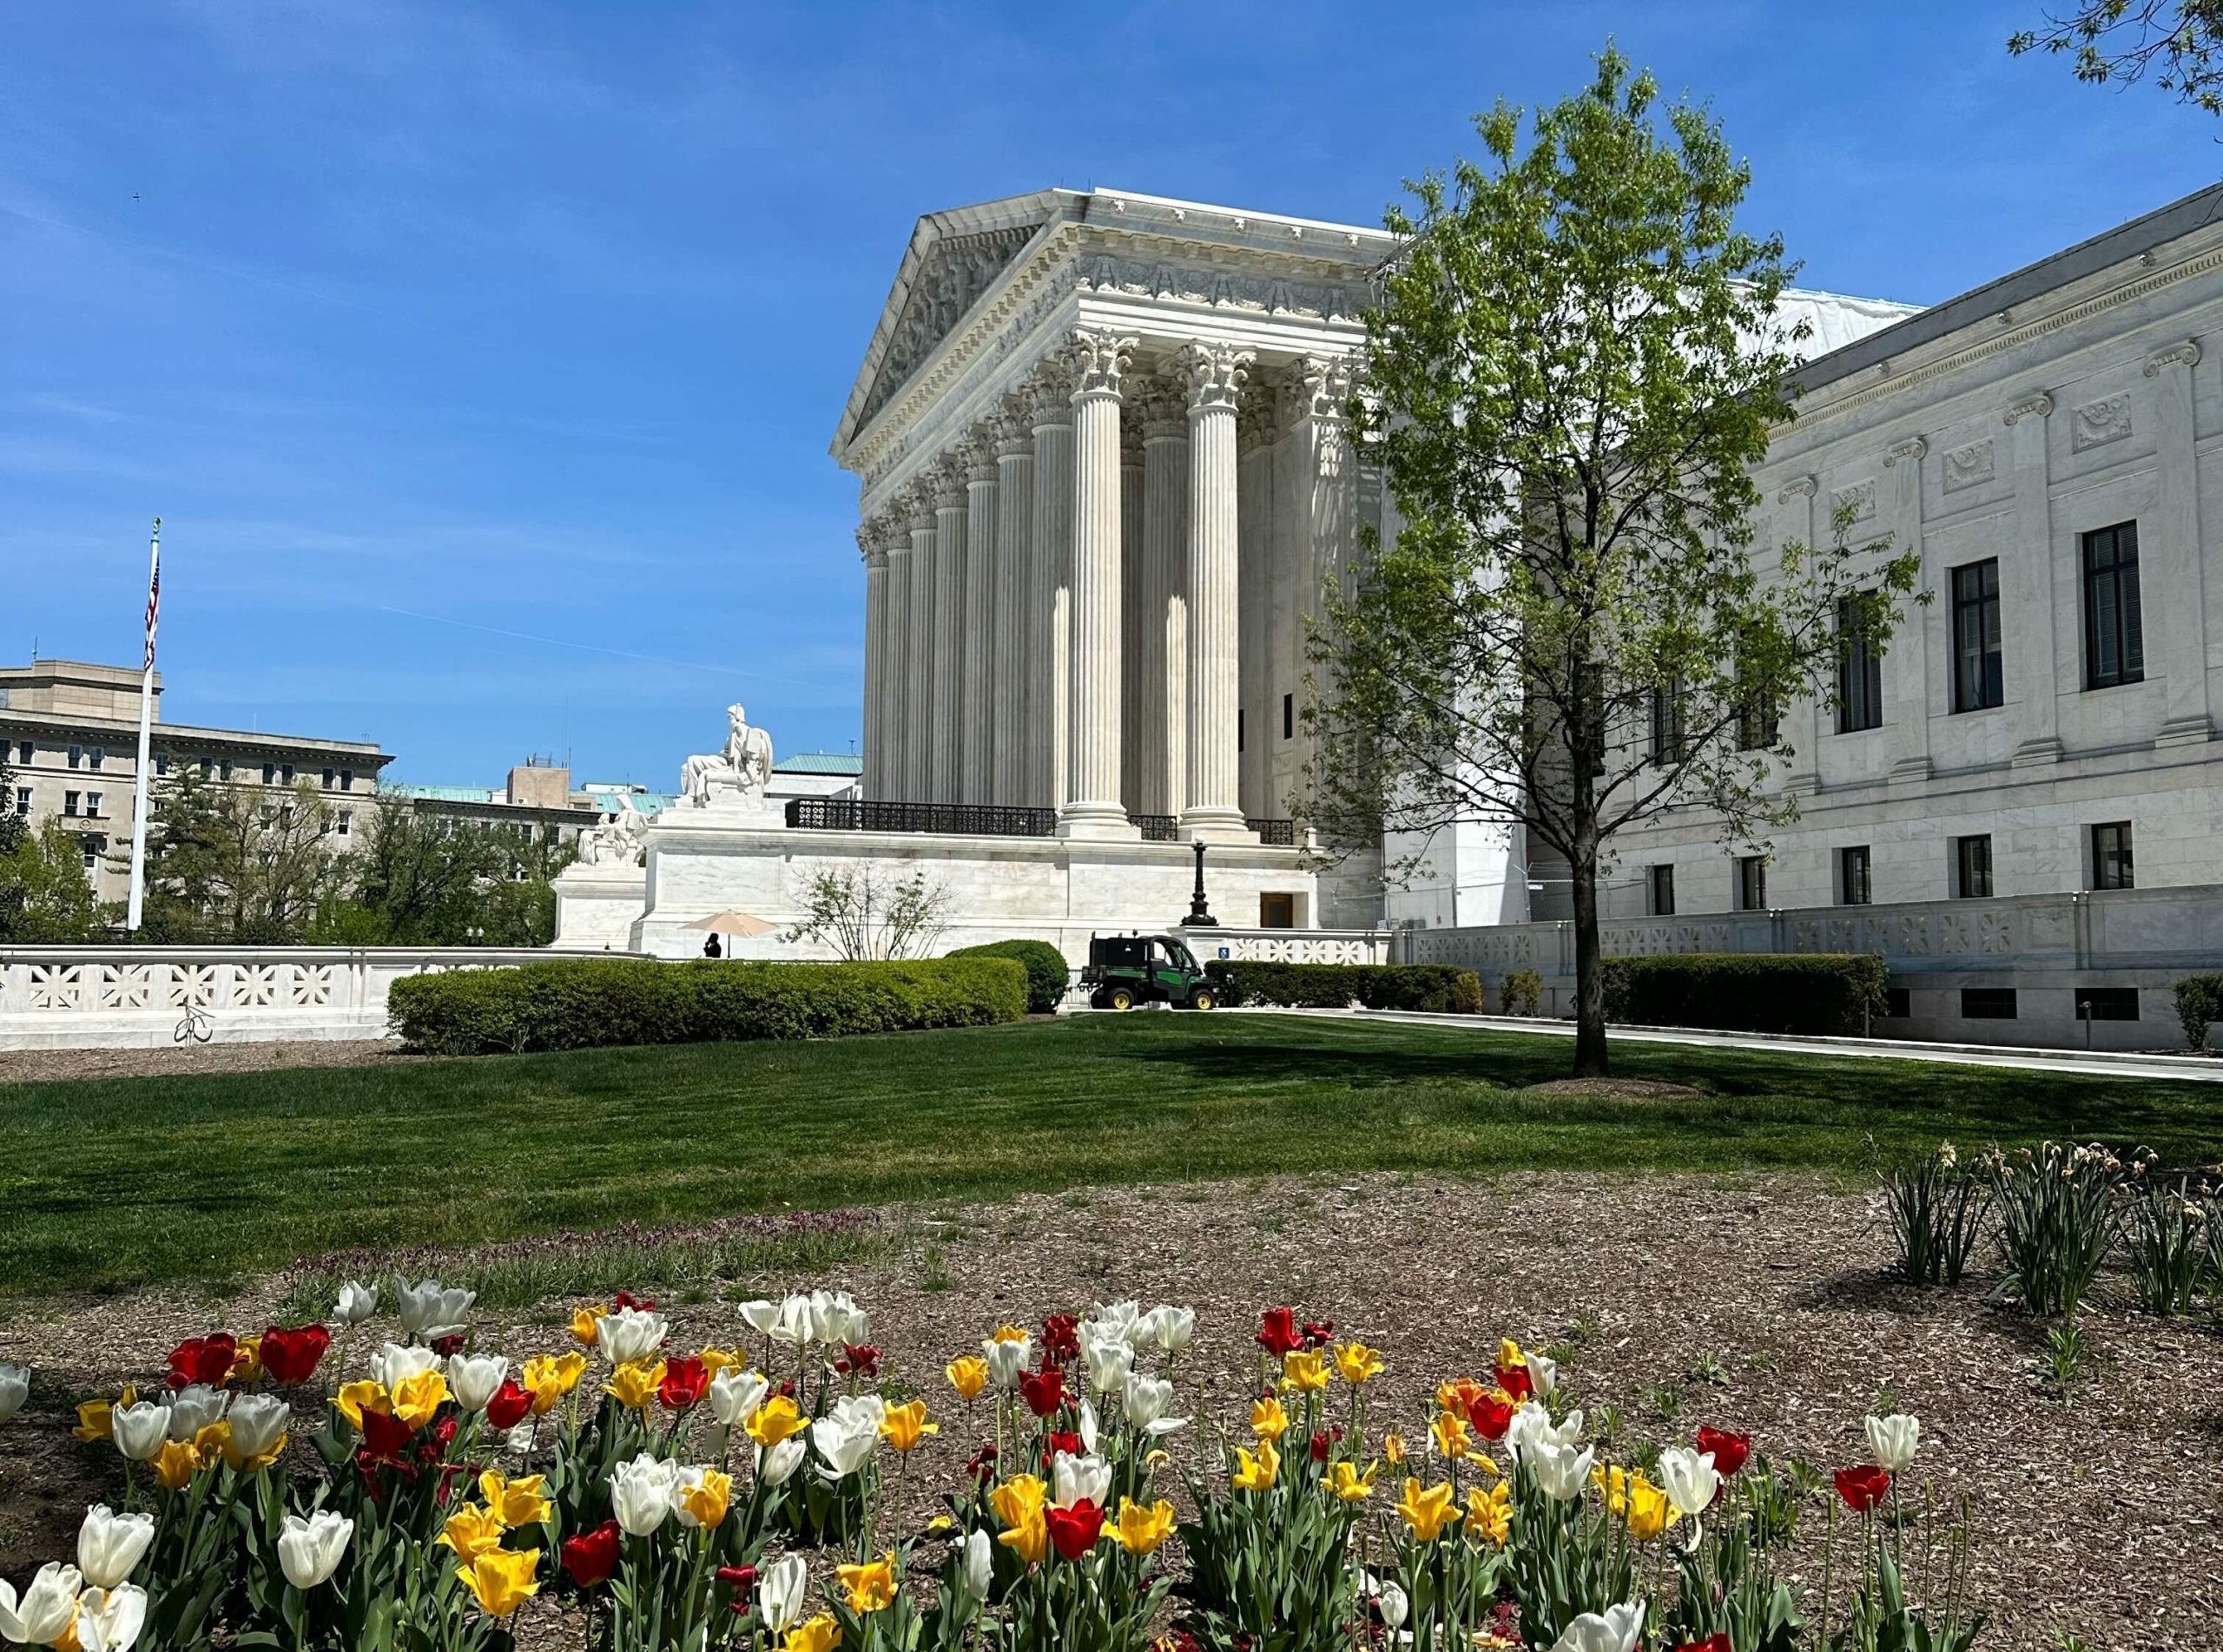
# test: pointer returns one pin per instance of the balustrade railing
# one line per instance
(961, 819)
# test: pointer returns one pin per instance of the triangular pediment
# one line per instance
(949, 280)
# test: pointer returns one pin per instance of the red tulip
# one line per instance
(685, 1380)
(858, 1359)
(1514, 1380)
(1043, 1391)
(204, 1360)
(385, 1438)
(1863, 1487)
(742, 1578)
(1053, 1442)
(1319, 1334)
(293, 1356)
(1712, 1643)
(1324, 1441)
(1074, 1530)
(592, 1556)
(1277, 1332)
(1061, 1338)
(1730, 1450)
(448, 1347)
(982, 1465)
(434, 1444)
(509, 1406)
(627, 1300)
(1490, 1416)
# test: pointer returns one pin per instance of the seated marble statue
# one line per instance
(616, 841)
(736, 775)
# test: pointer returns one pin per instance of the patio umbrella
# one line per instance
(733, 924)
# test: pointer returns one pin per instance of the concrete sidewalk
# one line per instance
(2097, 1063)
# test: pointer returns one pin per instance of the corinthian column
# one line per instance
(887, 752)
(1213, 809)
(1157, 696)
(1049, 586)
(870, 546)
(1091, 807)
(977, 699)
(950, 625)
(1014, 610)
(918, 715)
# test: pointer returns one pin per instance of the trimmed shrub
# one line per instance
(580, 1004)
(1800, 992)
(1048, 973)
(2200, 1000)
(1437, 988)
(1521, 992)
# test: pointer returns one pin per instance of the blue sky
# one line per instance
(482, 359)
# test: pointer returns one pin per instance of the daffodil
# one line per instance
(471, 1531)
(502, 1580)
(906, 1427)
(1348, 1484)
(1304, 1370)
(419, 1397)
(1018, 1504)
(821, 1634)
(1447, 1434)
(774, 1421)
(1489, 1514)
(968, 1374)
(1355, 1363)
(1140, 1530)
(1427, 1512)
(1268, 1420)
(871, 1587)
(514, 1502)
(1256, 1473)
(633, 1385)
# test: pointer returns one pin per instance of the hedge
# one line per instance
(1337, 986)
(1803, 992)
(1048, 973)
(579, 1003)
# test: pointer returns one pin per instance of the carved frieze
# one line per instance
(1857, 500)
(949, 281)
(1968, 466)
(2096, 424)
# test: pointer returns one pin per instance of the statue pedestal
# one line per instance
(597, 907)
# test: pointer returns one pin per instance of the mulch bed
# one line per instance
(1614, 1089)
(1757, 1303)
(159, 1060)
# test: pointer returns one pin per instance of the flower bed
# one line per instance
(363, 1486)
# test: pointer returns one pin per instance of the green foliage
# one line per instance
(14, 827)
(237, 865)
(1937, 1207)
(420, 878)
(1435, 987)
(44, 894)
(585, 1003)
(2056, 1221)
(2166, 1238)
(1048, 975)
(1271, 1568)
(2180, 42)
(1804, 992)
(1521, 992)
(861, 914)
(2200, 1000)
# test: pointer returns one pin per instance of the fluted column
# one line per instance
(1014, 607)
(948, 731)
(1213, 807)
(1049, 602)
(889, 779)
(1091, 808)
(875, 557)
(1320, 471)
(918, 715)
(1254, 533)
(1134, 610)
(976, 697)
(1158, 699)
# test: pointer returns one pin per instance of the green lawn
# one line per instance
(113, 1183)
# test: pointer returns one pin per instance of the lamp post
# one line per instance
(1200, 915)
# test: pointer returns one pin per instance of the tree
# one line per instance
(14, 826)
(420, 878)
(861, 917)
(238, 865)
(45, 896)
(1575, 363)
(2180, 42)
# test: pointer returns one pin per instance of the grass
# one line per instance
(110, 1183)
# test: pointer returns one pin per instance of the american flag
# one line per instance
(153, 595)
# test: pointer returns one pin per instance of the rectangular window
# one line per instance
(1979, 675)
(1972, 867)
(2111, 867)
(22, 799)
(287, 773)
(1898, 1004)
(1751, 884)
(269, 772)
(347, 779)
(2106, 1004)
(1662, 882)
(1277, 911)
(346, 821)
(1289, 716)
(96, 757)
(76, 756)
(1668, 724)
(2114, 641)
(1988, 1003)
(25, 751)
(1853, 886)
(1758, 724)
(70, 803)
(92, 806)
(161, 762)
(327, 780)
(227, 769)
(90, 848)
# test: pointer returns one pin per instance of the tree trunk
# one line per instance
(1590, 1059)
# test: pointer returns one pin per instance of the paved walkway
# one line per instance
(2099, 1063)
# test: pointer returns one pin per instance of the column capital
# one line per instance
(1100, 360)
(2187, 353)
(1317, 387)
(872, 539)
(2037, 404)
(1799, 487)
(946, 481)
(1012, 426)
(977, 452)
(1215, 373)
(1158, 400)
(1254, 421)
(1130, 444)
(1912, 449)
(914, 506)
(1047, 392)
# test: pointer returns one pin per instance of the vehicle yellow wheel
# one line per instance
(1200, 1000)
(1122, 999)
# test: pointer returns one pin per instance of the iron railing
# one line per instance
(1157, 828)
(962, 819)
(1280, 834)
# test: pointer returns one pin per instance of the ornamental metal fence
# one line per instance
(985, 820)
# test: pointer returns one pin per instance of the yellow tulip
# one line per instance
(1449, 1433)
(1484, 1465)
(1268, 1420)
(774, 1420)
(93, 1420)
(176, 1463)
(1018, 1503)
(1459, 1397)
(1509, 1357)
(1428, 1512)
(906, 1425)
(471, 1531)
(1256, 1473)
(243, 1462)
(1355, 1363)
(968, 1374)
(1650, 1513)
(1141, 1531)
(1393, 1448)
(820, 1634)
(419, 1397)
(1489, 1514)
(1304, 1369)
(708, 1499)
(548, 1378)
(502, 1580)
(586, 1323)
(716, 1360)
(1008, 1334)
(1613, 1486)
(247, 1360)
(1349, 1484)
(634, 1385)
(514, 1502)
(356, 1398)
(869, 1587)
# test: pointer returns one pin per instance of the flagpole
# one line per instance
(146, 733)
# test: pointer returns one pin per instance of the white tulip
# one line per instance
(860, 1410)
(1121, 1320)
(14, 1389)
(108, 1620)
(193, 1408)
(1173, 1328)
(735, 1395)
(1688, 1478)
(475, 1379)
(1005, 1361)
(1617, 1630)
(760, 1315)
(310, 1551)
(258, 1423)
(979, 1569)
(140, 1429)
(394, 1364)
(110, 1545)
(1148, 1400)
(357, 1303)
(1561, 1471)
(640, 1493)
(835, 1319)
(779, 1593)
(48, 1608)
(791, 1325)
(777, 1465)
(1893, 1440)
(844, 1443)
(1531, 1424)
(627, 1336)
(1079, 1479)
(1109, 1361)
(1543, 1374)
(1390, 1601)
(428, 1313)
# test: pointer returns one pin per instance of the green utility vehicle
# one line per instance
(1124, 971)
